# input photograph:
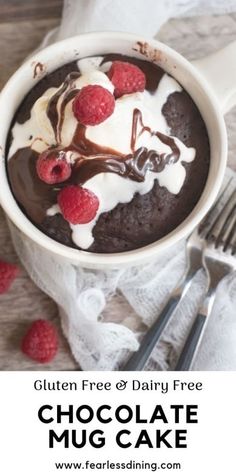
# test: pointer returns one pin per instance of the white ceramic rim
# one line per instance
(136, 256)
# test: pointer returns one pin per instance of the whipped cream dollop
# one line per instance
(116, 133)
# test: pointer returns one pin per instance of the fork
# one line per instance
(218, 261)
(194, 248)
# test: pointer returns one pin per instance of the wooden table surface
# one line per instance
(23, 25)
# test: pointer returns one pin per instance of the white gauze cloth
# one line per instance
(81, 16)
(99, 344)
(81, 294)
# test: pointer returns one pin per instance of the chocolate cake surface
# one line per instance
(148, 216)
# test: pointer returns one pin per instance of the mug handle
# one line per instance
(219, 69)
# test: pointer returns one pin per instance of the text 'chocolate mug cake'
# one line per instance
(107, 154)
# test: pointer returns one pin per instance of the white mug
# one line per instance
(211, 83)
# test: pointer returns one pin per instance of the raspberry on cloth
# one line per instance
(40, 342)
(8, 273)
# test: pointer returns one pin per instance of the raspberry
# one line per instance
(8, 273)
(40, 342)
(93, 105)
(126, 78)
(77, 204)
(52, 167)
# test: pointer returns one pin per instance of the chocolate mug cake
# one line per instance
(107, 154)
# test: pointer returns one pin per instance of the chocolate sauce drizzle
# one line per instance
(93, 158)
(56, 120)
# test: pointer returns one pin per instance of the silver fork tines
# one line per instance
(222, 230)
(218, 260)
(211, 246)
